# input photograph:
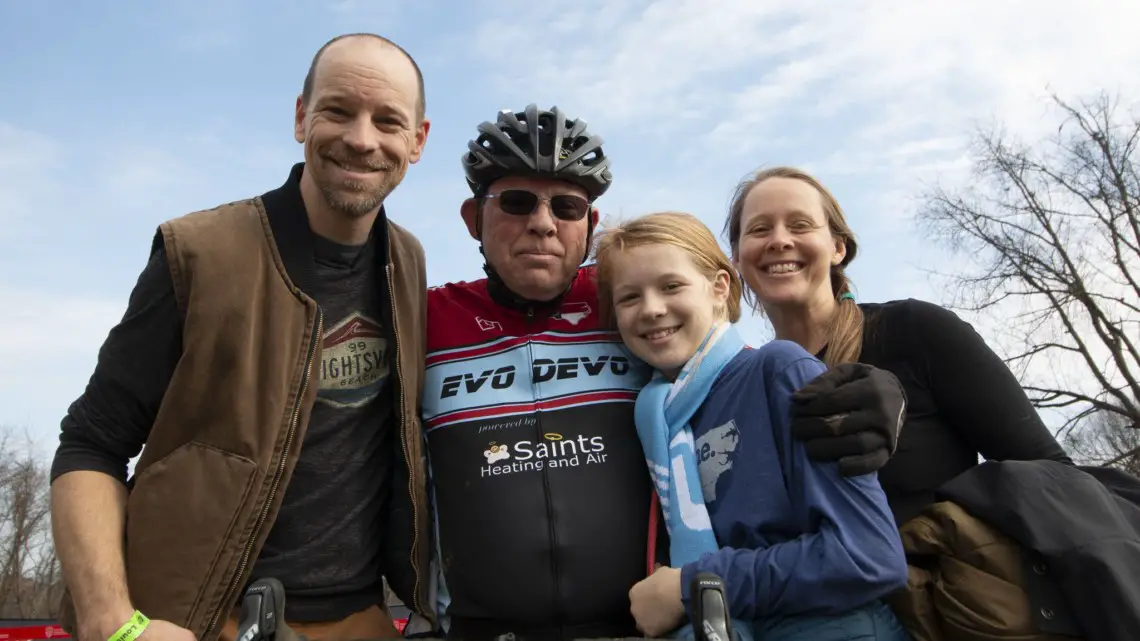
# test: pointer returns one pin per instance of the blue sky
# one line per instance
(119, 115)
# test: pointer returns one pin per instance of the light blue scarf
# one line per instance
(662, 414)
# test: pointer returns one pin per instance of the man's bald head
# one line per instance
(360, 117)
(310, 77)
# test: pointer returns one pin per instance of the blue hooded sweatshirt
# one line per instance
(797, 538)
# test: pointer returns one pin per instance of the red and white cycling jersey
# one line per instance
(540, 484)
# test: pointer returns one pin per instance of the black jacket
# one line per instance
(1080, 527)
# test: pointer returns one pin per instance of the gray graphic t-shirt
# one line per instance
(325, 545)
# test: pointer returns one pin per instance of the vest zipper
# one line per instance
(417, 605)
(314, 343)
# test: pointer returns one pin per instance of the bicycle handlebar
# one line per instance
(263, 613)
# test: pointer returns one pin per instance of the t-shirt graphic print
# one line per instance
(354, 362)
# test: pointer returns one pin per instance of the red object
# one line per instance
(33, 633)
(651, 549)
(42, 632)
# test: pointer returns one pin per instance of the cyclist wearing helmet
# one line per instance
(540, 489)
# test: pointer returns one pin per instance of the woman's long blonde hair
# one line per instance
(845, 334)
(663, 228)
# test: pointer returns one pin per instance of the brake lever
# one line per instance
(262, 608)
(708, 606)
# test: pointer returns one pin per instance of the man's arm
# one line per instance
(88, 516)
(102, 431)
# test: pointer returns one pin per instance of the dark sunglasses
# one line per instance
(519, 202)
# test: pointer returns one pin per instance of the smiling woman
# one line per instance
(787, 209)
(791, 242)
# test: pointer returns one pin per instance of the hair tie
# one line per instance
(847, 295)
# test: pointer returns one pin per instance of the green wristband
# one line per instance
(132, 628)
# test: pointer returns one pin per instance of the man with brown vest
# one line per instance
(269, 368)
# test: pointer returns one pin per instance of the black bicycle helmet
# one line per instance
(539, 144)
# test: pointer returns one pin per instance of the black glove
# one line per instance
(850, 414)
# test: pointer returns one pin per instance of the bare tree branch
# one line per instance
(30, 578)
(1121, 457)
(1053, 233)
(1107, 440)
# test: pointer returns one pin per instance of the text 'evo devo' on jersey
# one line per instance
(541, 491)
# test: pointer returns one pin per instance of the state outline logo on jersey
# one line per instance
(488, 325)
(716, 455)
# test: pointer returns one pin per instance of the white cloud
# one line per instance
(75, 231)
(26, 157)
(20, 149)
(37, 327)
(876, 72)
(48, 345)
(881, 97)
(204, 26)
(877, 97)
(360, 11)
